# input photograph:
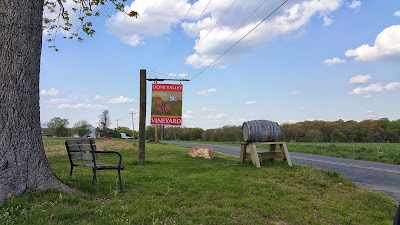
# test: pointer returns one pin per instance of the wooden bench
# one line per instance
(82, 152)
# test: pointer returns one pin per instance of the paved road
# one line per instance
(375, 176)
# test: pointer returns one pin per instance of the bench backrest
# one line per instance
(81, 149)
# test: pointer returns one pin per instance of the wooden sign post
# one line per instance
(142, 118)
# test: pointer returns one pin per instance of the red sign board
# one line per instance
(166, 104)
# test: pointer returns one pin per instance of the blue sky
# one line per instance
(310, 60)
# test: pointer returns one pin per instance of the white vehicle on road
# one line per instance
(124, 136)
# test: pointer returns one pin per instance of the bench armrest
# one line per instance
(111, 152)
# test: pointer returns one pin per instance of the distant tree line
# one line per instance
(174, 133)
(58, 127)
(381, 130)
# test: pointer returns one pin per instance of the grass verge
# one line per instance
(175, 189)
(373, 152)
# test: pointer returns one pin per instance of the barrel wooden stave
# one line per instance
(261, 131)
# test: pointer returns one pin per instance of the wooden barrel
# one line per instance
(162, 106)
(261, 131)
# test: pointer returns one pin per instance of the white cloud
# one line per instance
(56, 101)
(207, 92)
(290, 121)
(251, 102)
(397, 13)
(327, 21)
(334, 61)
(387, 44)
(360, 79)
(294, 92)
(291, 17)
(378, 87)
(187, 115)
(133, 40)
(51, 92)
(121, 100)
(206, 109)
(155, 18)
(82, 106)
(135, 111)
(392, 86)
(217, 116)
(100, 98)
(370, 114)
(365, 90)
(355, 5)
(181, 75)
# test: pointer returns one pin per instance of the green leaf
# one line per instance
(133, 14)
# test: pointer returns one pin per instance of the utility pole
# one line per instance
(133, 126)
(142, 118)
(117, 123)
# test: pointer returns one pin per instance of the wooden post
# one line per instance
(142, 118)
(162, 132)
(286, 152)
(243, 152)
(254, 155)
(156, 134)
(257, 157)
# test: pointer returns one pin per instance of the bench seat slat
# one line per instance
(83, 152)
(98, 165)
(84, 156)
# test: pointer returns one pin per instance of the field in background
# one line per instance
(175, 189)
(56, 146)
(374, 152)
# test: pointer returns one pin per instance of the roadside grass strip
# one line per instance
(173, 188)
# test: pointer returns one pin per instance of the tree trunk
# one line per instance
(23, 163)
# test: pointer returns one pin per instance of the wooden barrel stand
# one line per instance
(257, 157)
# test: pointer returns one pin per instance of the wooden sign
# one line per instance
(166, 106)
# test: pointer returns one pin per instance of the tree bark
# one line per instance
(23, 163)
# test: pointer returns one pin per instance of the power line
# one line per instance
(194, 25)
(215, 24)
(173, 37)
(123, 117)
(240, 39)
(199, 43)
(237, 28)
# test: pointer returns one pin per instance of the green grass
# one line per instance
(175, 189)
(374, 152)
(53, 141)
